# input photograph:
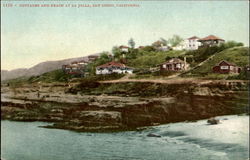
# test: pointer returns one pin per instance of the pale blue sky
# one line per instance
(33, 35)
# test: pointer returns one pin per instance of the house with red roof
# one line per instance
(113, 67)
(211, 40)
(226, 67)
(192, 43)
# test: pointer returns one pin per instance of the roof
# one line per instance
(123, 47)
(211, 37)
(83, 61)
(229, 63)
(112, 64)
(194, 37)
(174, 60)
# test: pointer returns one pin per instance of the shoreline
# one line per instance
(123, 106)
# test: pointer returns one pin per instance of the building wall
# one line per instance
(192, 44)
(224, 69)
(110, 71)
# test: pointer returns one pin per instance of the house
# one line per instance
(192, 43)
(113, 67)
(124, 48)
(73, 69)
(76, 67)
(226, 67)
(211, 40)
(160, 46)
(91, 58)
(174, 64)
(163, 48)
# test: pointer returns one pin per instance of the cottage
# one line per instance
(174, 64)
(226, 67)
(73, 69)
(124, 48)
(113, 67)
(192, 43)
(76, 67)
(211, 40)
(160, 46)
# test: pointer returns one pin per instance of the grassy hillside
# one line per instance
(239, 56)
(152, 59)
(147, 59)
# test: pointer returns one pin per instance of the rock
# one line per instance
(213, 121)
(153, 135)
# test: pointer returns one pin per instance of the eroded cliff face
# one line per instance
(124, 106)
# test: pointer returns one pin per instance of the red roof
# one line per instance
(211, 37)
(123, 47)
(194, 37)
(112, 64)
(230, 64)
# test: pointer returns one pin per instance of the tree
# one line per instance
(131, 43)
(164, 41)
(116, 52)
(175, 40)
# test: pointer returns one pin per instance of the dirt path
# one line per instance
(173, 81)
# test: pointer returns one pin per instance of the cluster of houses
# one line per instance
(174, 64)
(78, 67)
(195, 42)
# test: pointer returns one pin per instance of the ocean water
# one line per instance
(228, 140)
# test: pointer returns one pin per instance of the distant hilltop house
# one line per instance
(113, 67)
(211, 40)
(124, 48)
(92, 58)
(76, 67)
(160, 46)
(192, 43)
(226, 67)
(174, 64)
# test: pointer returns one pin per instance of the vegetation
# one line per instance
(148, 57)
(152, 59)
(175, 40)
(239, 56)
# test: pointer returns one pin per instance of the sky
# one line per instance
(32, 35)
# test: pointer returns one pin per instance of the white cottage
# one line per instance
(192, 43)
(113, 67)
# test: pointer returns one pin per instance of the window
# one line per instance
(231, 67)
(223, 67)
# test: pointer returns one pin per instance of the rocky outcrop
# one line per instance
(107, 112)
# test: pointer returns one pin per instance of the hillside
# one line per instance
(237, 55)
(37, 69)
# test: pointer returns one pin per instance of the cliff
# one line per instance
(134, 104)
